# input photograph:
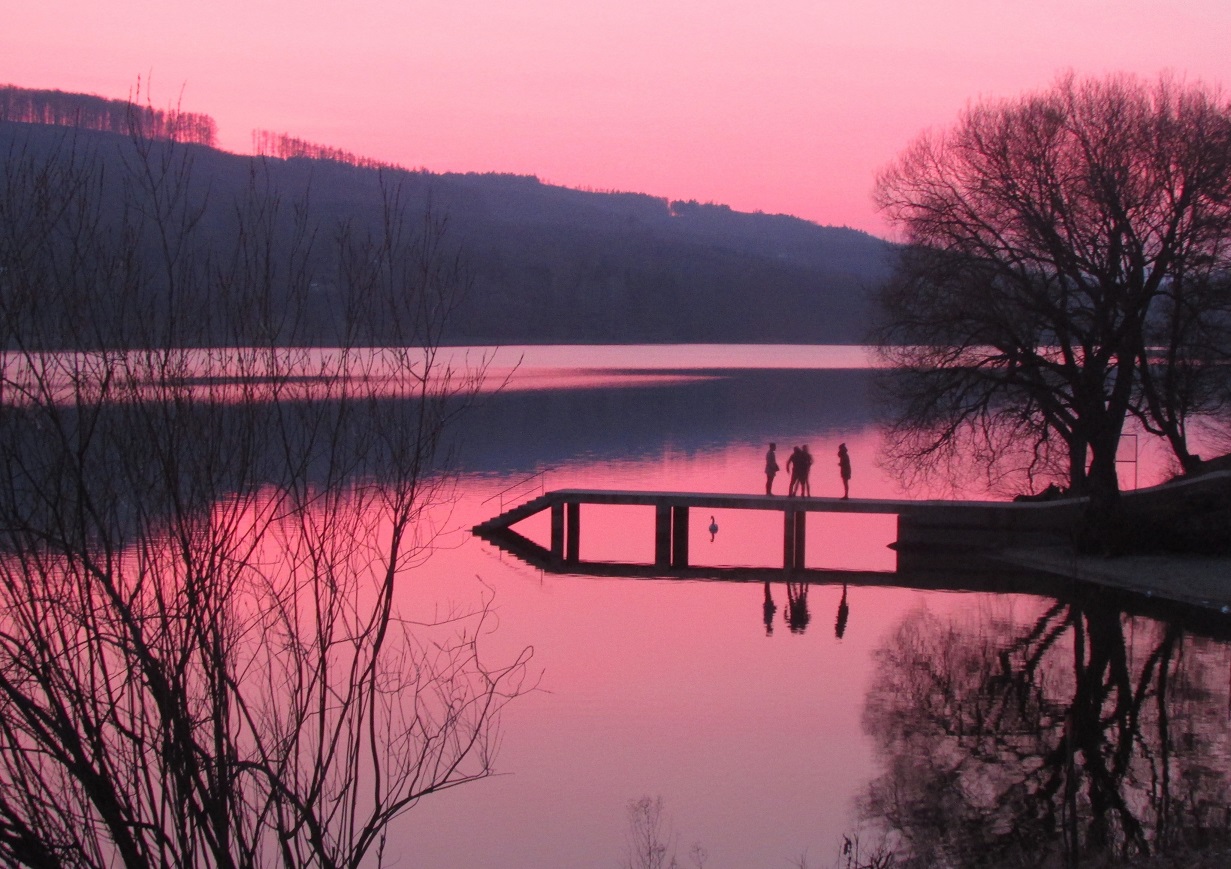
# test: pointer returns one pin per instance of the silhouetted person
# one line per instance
(792, 469)
(797, 616)
(839, 627)
(771, 468)
(804, 465)
(767, 611)
(844, 468)
(713, 529)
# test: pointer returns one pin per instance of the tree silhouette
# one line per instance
(1065, 269)
(86, 112)
(206, 656)
(269, 144)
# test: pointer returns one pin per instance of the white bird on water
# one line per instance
(713, 529)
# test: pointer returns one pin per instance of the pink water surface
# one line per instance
(751, 733)
(671, 688)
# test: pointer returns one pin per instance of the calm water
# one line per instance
(879, 711)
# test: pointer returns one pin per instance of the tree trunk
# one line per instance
(1078, 449)
(1103, 520)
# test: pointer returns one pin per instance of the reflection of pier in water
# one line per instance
(941, 545)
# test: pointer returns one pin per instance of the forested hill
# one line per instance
(551, 264)
(570, 265)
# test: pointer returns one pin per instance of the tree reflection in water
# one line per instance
(1082, 732)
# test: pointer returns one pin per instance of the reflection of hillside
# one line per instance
(148, 462)
(504, 433)
(524, 431)
(1078, 734)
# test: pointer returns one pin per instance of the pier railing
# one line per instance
(524, 489)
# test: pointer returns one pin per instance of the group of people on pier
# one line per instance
(799, 466)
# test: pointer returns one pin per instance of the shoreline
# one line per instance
(1202, 581)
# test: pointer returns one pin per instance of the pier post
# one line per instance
(801, 529)
(788, 539)
(794, 538)
(679, 536)
(557, 529)
(662, 535)
(572, 550)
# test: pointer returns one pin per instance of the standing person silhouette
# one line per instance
(804, 466)
(844, 468)
(771, 468)
(792, 469)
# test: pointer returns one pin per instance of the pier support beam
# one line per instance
(679, 536)
(662, 535)
(557, 529)
(794, 538)
(670, 535)
(566, 530)
(572, 529)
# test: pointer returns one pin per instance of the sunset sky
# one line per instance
(782, 106)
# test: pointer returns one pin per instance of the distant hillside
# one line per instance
(569, 265)
(551, 264)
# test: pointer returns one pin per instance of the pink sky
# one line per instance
(782, 106)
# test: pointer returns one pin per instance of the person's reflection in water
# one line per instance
(797, 616)
(713, 529)
(767, 611)
(839, 627)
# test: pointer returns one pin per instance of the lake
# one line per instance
(777, 721)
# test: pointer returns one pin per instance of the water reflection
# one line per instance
(650, 707)
(797, 615)
(1077, 731)
(650, 681)
(768, 609)
(525, 430)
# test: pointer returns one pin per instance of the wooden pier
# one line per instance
(953, 526)
(988, 546)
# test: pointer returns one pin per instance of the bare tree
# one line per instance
(1064, 269)
(85, 112)
(205, 657)
(651, 842)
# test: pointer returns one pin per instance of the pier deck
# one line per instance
(965, 525)
(936, 539)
